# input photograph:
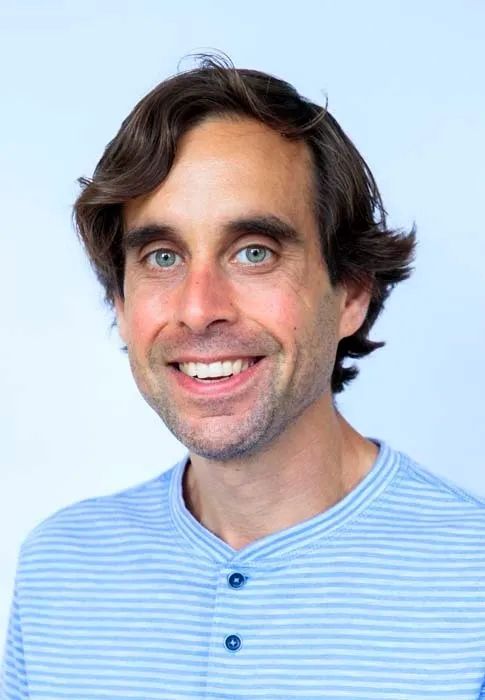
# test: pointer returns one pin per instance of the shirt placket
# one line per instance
(228, 671)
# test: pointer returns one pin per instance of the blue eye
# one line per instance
(254, 254)
(163, 258)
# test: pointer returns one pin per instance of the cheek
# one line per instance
(146, 314)
(278, 309)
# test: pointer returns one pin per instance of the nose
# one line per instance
(205, 298)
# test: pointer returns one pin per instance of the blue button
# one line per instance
(232, 642)
(236, 580)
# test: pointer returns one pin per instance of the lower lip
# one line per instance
(216, 388)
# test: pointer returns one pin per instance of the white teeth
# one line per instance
(202, 371)
(214, 369)
(226, 368)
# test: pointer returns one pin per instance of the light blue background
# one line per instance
(405, 80)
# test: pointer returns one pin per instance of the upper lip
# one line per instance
(208, 360)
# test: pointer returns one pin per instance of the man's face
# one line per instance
(223, 265)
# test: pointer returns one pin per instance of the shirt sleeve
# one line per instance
(13, 676)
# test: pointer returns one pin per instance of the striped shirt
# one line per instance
(380, 597)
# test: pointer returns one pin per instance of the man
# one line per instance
(242, 242)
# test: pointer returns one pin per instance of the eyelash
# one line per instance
(248, 247)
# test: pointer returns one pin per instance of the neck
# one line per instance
(308, 469)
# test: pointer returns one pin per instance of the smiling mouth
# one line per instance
(215, 371)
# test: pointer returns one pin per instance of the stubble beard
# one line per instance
(226, 437)
(222, 437)
(231, 437)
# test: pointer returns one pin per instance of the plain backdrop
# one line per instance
(404, 79)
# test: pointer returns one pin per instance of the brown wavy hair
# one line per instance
(356, 243)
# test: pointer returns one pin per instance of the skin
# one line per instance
(275, 451)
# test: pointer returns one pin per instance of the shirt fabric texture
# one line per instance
(380, 597)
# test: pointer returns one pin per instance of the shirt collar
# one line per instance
(289, 542)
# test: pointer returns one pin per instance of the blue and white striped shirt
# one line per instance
(381, 597)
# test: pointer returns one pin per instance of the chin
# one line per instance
(218, 451)
(221, 447)
(219, 437)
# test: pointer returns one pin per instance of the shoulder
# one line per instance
(429, 482)
(434, 499)
(98, 523)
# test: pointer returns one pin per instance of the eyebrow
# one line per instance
(266, 225)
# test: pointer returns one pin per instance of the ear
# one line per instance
(354, 304)
(121, 318)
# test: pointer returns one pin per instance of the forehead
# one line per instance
(226, 168)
